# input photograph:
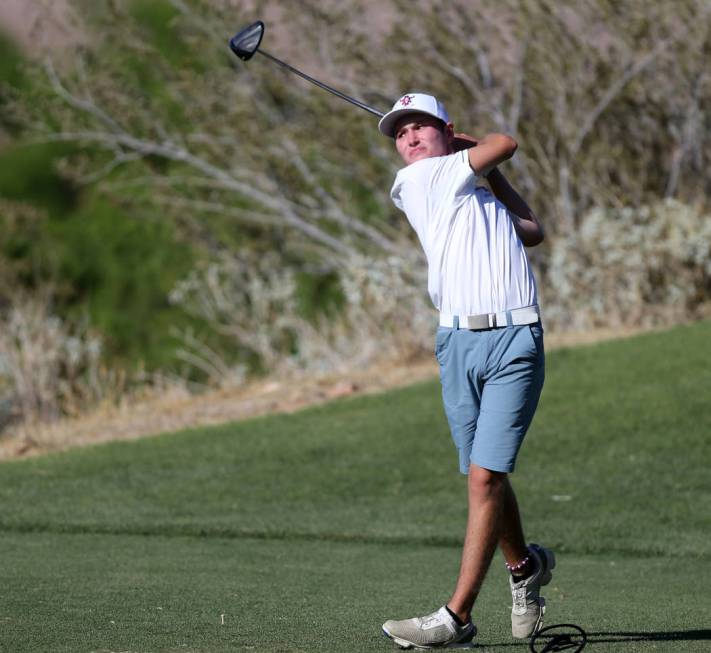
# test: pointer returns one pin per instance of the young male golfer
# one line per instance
(489, 346)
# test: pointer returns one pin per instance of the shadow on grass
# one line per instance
(625, 636)
(613, 637)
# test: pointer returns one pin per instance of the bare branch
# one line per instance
(83, 105)
(118, 160)
(689, 136)
(613, 91)
(334, 210)
(249, 216)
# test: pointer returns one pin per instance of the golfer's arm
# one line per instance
(490, 151)
(526, 224)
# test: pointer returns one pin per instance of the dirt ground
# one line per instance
(177, 409)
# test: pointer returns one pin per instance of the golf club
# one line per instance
(246, 42)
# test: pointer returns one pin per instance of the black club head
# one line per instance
(246, 42)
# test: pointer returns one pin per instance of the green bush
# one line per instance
(12, 80)
(28, 173)
(102, 262)
(120, 269)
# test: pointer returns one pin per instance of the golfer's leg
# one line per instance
(508, 401)
(508, 404)
(486, 499)
(511, 540)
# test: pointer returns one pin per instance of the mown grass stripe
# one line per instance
(443, 541)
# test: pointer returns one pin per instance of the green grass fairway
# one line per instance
(305, 532)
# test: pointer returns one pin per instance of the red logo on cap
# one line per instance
(406, 99)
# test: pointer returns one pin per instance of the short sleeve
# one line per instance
(410, 192)
(439, 177)
(453, 174)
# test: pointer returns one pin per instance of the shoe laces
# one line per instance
(519, 597)
(429, 619)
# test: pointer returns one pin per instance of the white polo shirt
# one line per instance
(476, 261)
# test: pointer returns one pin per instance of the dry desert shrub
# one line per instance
(630, 267)
(47, 368)
(641, 267)
(384, 314)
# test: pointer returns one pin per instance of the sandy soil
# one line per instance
(39, 25)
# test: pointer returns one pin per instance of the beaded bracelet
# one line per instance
(518, 565)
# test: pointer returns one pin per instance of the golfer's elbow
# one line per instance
(502, 146)
(491, 150)
(508, 145)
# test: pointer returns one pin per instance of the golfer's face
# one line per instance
(420, 136)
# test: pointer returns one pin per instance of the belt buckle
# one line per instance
(492, 320)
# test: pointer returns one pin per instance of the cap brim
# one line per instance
(387, 122)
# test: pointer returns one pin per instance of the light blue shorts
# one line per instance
(491, 382)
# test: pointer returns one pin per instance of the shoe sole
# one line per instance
(539, 622)
(404, 644)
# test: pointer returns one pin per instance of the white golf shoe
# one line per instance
(436, 630)
(528, 606)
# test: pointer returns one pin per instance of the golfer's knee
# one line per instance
(485, 482)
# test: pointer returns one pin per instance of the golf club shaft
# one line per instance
(325, 87)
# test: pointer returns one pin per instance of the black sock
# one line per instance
(457, 620)
(532, 568)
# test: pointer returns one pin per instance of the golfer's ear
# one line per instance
(449, 133)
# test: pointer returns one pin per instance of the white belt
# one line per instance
(516, 317)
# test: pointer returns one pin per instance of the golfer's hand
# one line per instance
(464, 142)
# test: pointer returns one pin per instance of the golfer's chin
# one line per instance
(417, 155)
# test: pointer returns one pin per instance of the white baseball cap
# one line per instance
(412, 103)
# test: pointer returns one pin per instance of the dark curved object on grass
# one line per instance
(559, 637)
